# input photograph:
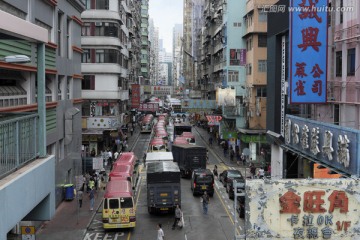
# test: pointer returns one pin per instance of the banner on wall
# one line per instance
(308, 56)
(135, 95)
(225, 97)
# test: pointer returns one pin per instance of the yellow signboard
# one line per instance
(28, 232)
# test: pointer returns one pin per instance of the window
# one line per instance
(249, 44)
(47, 27)
(262, 16)
(86, 56)
(126, 202)
(351, 62)
(339, 64)
(88, 82)
(262, 40)
(341, 12)
(87, 4)
(114, 203)
(248, 69)
(261, 92)
(233, 76)
(336, 114)
(85, 30)
(102, 4)
(59, 33)
(261, 65)
(61, 152)
(68, 38)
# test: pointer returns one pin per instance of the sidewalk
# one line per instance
(71, 222)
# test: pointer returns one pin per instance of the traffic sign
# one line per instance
(28, 232)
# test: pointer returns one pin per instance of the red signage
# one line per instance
(135, 95)
(213, 120)
(148, 107)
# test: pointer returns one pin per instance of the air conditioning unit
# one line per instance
(331, 99)
(98, 24)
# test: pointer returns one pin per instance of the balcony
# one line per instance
(18, 144)
(234, 111)
(350, 34)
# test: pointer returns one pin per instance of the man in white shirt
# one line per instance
(160, 232)
(116, 154)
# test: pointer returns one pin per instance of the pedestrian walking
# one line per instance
(160, 232)
(80, 194)
(178, 215)
(210, 140)
(91, 184)
(261, 173)
(215, 171)
(243, 159)
(116, 154)
(232, 153)
(252, 170)
(92, 198)
(205, 202)
(131, 130)
(102, 183)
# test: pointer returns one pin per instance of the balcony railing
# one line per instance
(18, 141)
(349, 34)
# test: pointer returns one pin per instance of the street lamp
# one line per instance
(16, 59)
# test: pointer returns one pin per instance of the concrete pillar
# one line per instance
(41, 98)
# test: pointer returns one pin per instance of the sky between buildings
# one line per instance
(166, 13)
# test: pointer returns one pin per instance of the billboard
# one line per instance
(161, 91)
(308, 51)
(198, 103)
(135, 95)
(302, 209)
(333, 145)
(148, 107)
(225, 97)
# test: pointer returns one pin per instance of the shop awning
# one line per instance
(251, 131)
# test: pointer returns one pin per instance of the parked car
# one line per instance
(241, 206)
(227, 176)
(230, 186)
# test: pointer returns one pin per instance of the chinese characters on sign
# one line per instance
(135, 95)
(330, 144)
(308, 33)
(314, 203)
(303, 209)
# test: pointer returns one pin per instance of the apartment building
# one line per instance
(145, 43)
(40, 106)
(109, 43)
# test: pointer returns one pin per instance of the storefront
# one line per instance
(255, 141)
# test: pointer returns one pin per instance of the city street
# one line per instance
(218, 224)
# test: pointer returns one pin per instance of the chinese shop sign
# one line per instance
(333, 145)
(135, 95)
(308, 39)
(148, 107)
(303, 209)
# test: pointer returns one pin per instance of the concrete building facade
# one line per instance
(45, 92)
(110, 62)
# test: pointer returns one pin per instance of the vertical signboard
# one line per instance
(135, 95)
(308, 56)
